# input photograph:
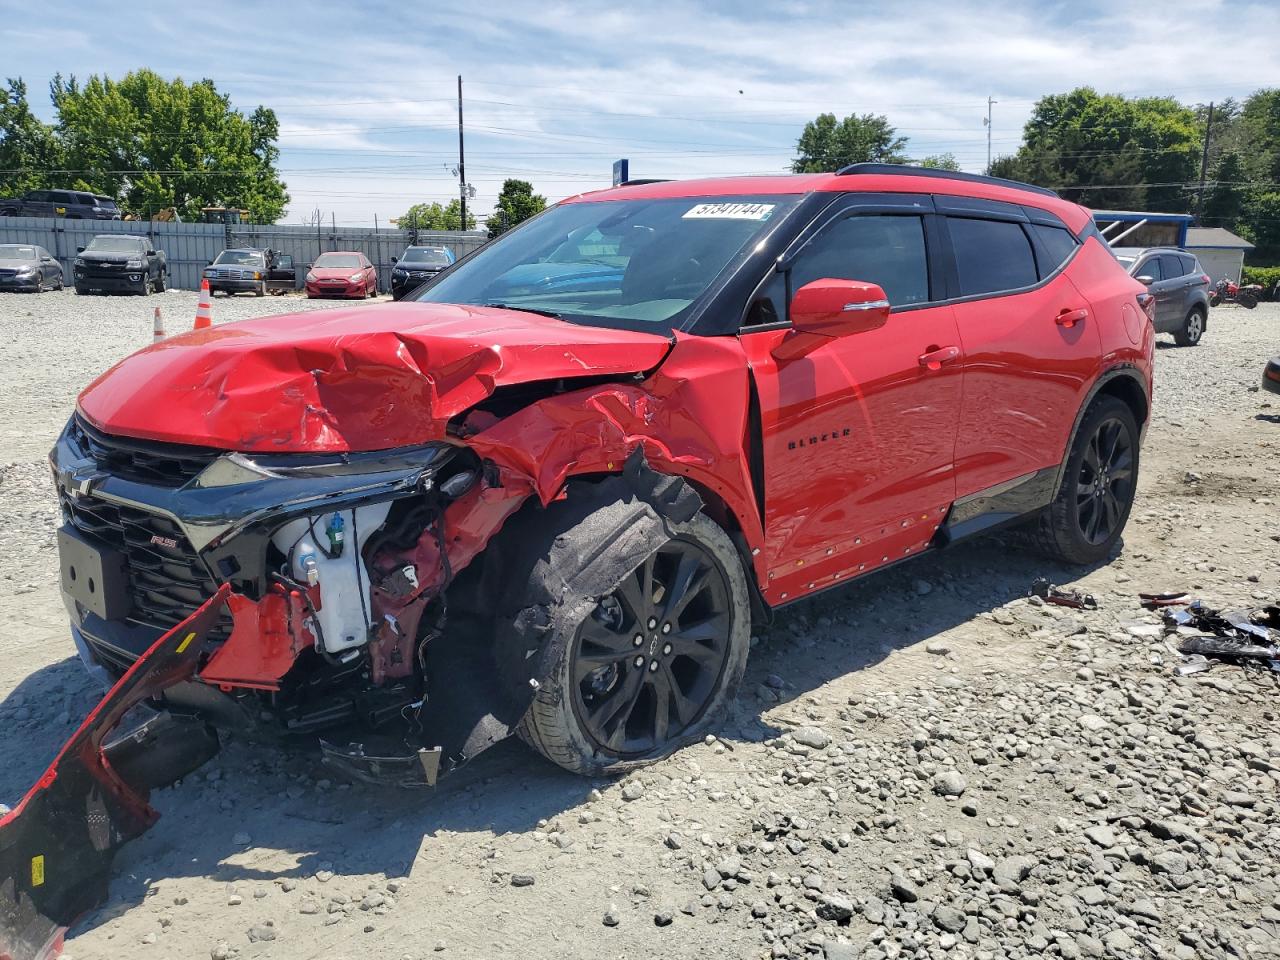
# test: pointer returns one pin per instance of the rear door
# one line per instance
(1168, 299)
(1183, 282)
(858, 434)
(1030, 339)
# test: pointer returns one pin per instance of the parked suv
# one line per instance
(120, 263)
(416, 266)
(71, 204)
(556, 509)
(1180, 286)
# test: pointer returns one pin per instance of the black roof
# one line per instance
(903, 170)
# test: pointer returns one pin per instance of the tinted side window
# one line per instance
(60, 196)
(1057, 243)
(1150, 268)
(1172, 266)
(886, 250)
(991, 255)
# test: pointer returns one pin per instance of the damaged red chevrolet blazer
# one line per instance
(550, 492)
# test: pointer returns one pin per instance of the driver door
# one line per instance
(859, 433)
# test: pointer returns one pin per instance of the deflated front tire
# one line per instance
(652, 664)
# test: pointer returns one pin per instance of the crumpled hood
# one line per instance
(367, 378)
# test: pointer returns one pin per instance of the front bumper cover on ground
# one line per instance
(57, 845)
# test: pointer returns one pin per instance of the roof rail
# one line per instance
(902, 170)
(641, 183)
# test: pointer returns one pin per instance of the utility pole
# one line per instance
(987, 124)
(1204, 164)
(462, 168)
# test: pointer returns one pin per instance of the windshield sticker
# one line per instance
(730, 211)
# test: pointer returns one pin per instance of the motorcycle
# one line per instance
(1228, 291)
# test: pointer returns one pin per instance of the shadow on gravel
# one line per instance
(299, 824)
(37, 717)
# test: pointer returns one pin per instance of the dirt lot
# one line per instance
(925, 764)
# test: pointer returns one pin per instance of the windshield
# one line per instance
(637, 264)
(14, 251)
(426, 257)
(115, 244)
(337, 261)
(239, 258)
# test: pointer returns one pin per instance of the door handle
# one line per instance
(937, 356)
(1069, 318)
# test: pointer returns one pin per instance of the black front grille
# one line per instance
(167, 582)
(143, 461)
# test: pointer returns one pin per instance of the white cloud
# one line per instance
(556, 91)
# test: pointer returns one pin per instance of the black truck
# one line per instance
(118, 263)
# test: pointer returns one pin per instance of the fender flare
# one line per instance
(1119, 371)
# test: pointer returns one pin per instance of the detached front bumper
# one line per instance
(57, 845)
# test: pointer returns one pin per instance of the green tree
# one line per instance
(1226, 193)
(516, 203)
(157, 143)
(1261, 226)
(1105, 150)
(827, 144)
(29, 149)
(434, 216)
(1260, 122)
(942, 161)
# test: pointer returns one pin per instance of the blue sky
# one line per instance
(555, 92)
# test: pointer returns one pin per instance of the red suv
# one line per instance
(551, 491)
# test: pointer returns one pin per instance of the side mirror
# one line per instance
(79, 249)
(834, 308)
(1145, 280)
(829, 308)
(394, 259)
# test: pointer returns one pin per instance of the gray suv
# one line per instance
(71, 204)
(1180, 286)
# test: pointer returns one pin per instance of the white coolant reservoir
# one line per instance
(325, 549)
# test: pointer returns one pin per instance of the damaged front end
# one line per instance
(335, 568)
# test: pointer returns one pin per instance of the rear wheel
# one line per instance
(1192, 329)
(654, 664)
(1247, 299)
(1088, 515)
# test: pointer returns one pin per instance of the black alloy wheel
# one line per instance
(648, 660)
(1104, 486)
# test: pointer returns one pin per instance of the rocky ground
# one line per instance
(927, 764)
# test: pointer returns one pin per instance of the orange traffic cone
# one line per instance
(204, 312)
(157, 328)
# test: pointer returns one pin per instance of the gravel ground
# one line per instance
(925, 764)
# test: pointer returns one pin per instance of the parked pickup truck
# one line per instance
(251, 270)
(71, 204)
(117, 263)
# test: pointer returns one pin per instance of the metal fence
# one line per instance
(189, 247)
(304, 244)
